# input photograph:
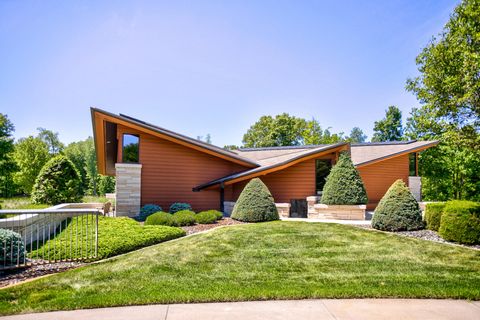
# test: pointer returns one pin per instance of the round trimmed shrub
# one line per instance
(160, 218)
(58, 182)
(217, 213)
(433, 214)
(398, 210)
(344, 186)
(184, 218)
(146, 211)
(12, 248)
(206, 217)
(460, 222)
(255, 203)
(179, 206)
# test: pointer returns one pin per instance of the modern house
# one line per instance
(155, 165)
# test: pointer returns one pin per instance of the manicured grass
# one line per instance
(115, 236)
(20, 203)
(275, 260)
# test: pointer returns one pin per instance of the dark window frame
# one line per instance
(329, 163)
(123, 147)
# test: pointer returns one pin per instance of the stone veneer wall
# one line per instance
(415, 186)
(128, 189)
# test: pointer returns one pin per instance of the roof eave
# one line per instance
(186, 140)
(396, 154)
(266, 168)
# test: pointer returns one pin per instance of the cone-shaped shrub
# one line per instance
(57, 182)
(398, 210)
(344, 185)
(255, 203)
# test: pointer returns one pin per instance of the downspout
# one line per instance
(222, 197)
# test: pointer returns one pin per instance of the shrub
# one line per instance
(12, 248)
(460, 222)
(146, 211)
(184, 218)
(160, 218)
(433, 213)
(398, 210)
(344, 186)
(206, 217)
(2, 216)
(57, 182)
(115, 236)
(179, 206)
(255, 203)
(217, 213)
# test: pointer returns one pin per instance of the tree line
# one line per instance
(448, 88)
(22, 160)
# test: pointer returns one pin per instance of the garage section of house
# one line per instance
(156, 165)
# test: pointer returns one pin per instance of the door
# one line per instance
(298, 208)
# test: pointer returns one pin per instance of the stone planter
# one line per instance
(283, 209)
(340, 212)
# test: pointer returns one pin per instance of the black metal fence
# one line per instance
(66, 232)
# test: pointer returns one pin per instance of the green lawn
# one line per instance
(275, 260)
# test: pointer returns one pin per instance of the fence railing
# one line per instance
(67, 232)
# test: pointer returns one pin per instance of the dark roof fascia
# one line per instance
(428, 145)
(178, 136)
(263, 168)
(94, 127)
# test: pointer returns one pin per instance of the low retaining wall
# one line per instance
(37, 224)
(339, 212)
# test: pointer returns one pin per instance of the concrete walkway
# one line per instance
(331, 309)
(357, 222)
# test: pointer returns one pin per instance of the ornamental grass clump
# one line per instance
(398, 210)
(344, 186)
(58, 182)
(460, 222)
(255, 203)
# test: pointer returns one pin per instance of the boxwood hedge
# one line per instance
(433, 214)
(460, 222)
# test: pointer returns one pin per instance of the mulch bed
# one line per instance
(204, 227)
(9, 277)
(425, 234)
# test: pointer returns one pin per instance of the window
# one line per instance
(413, 164)
(130, 148)
(322, 169)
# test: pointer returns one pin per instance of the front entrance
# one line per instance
(298, 208)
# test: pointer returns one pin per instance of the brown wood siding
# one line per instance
(378, 177)
(295, 182)
(170, 171)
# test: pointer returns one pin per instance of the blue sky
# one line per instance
(199, 67)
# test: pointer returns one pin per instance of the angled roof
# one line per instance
(275, 163)
(273, 159)
(99, 115)
(368, 153)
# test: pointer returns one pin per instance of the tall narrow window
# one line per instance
(413, 164)
(322, 169)
(130, 148)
